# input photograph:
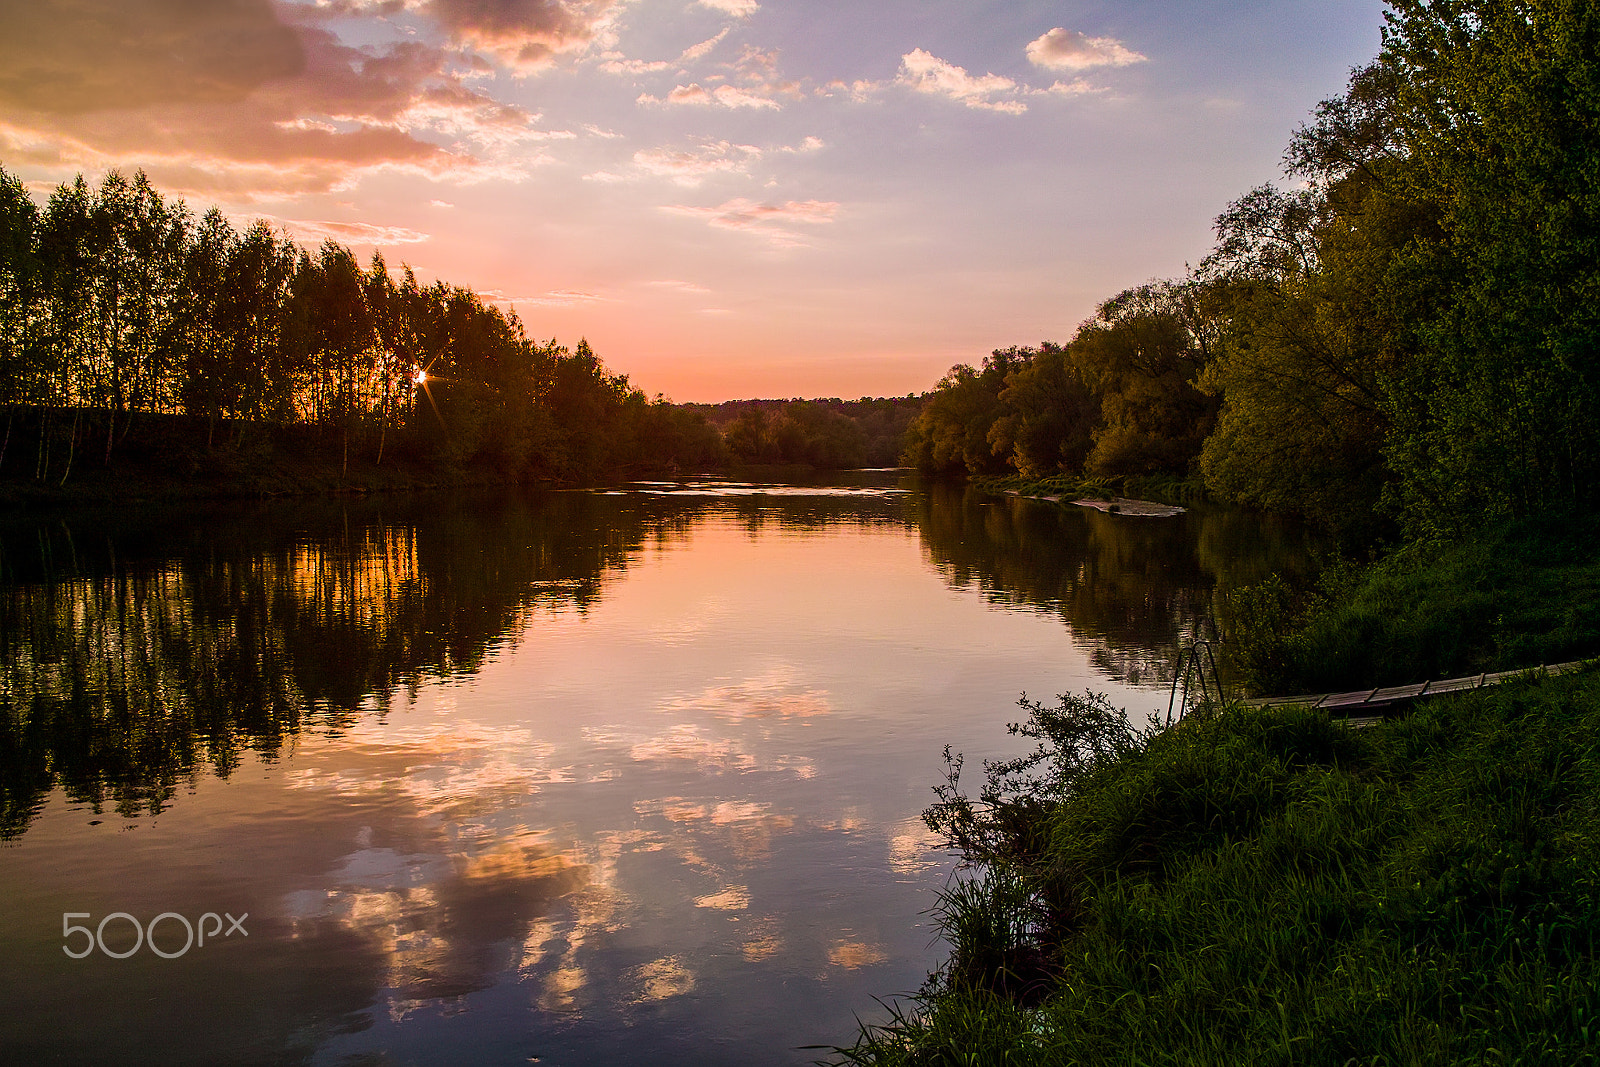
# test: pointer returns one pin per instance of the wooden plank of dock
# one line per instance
(1363, 701)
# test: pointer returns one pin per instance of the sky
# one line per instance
(726, 198)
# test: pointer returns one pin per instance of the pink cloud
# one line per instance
(64, 58)
(617, 63)
(767, 220)
(688, 166)
(737, 8)
(926, 73)
(524, 35)
(697, 95)
(1064, 49)
(239, 100)
(701, 50)
(355, 233)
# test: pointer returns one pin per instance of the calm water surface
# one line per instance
(568, 778)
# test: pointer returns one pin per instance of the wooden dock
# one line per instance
(1369, 703)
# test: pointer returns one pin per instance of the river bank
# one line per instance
(154, 459)
(1270, 886)
(172, 459)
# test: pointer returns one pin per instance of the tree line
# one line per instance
(117, 303)
(1405, 331)
(824, 433)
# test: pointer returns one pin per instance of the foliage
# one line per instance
(1267, 886)
(1119, 399)
(1144, 351)
(1302, 283)
(1050, 414)
(1519, 595)
(1412, 331)
(952, 433)
(1496, 106)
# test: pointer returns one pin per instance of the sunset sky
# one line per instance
(728, 198)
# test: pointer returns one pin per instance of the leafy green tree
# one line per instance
(1143, 352)
(19, 298)
(951, 434)
(1496, 105)
(1316, 292)
(1051, 414)
(208, 386)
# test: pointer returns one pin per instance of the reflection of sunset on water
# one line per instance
(853, 955)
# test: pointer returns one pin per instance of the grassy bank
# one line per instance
(1270, 887)
(1517, 596)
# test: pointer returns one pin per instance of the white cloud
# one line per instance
(699, 51)
(697, 95)
(617, 63)
(810, 144)
(1075, 87)
(679, 286)
(687, 166)
(927, 73)
(737, 8)
(859, 91)
(558, 298)
(1064, 49)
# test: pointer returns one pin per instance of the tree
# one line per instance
(1051, 414)
(1143, 353)
(1317, 294)
(250, 319)
(209, 386)
(1496, 105)
(951, 434)
(20, 308)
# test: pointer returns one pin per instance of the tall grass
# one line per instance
(1270, 887)
(1519, 596)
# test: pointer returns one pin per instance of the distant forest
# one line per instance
(829, 434)
(1405, 335)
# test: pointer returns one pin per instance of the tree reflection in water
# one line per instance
(138, 649)
(1129, 587)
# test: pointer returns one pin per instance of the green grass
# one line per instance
(1271, 887)
(1518, 596)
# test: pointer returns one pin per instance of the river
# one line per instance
(499, 778)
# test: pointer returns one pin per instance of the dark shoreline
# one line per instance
(174, 459)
